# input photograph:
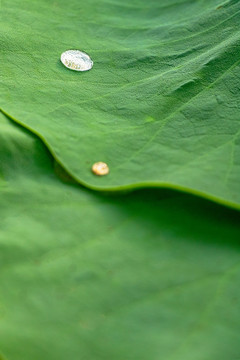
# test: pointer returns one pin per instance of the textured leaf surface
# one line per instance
(161, 104)
(84, 276)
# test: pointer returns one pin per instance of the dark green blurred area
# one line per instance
(144, 275)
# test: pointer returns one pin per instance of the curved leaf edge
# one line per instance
(129, 187)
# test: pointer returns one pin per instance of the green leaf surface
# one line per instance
(161, 104)
(84, 276)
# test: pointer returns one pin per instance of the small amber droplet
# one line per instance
(100, 168)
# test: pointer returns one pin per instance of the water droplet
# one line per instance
(100, 168)
(76, 60)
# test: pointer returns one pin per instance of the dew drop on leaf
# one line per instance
(76, 60)
(100, 168)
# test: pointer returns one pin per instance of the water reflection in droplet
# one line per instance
(76, 60)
